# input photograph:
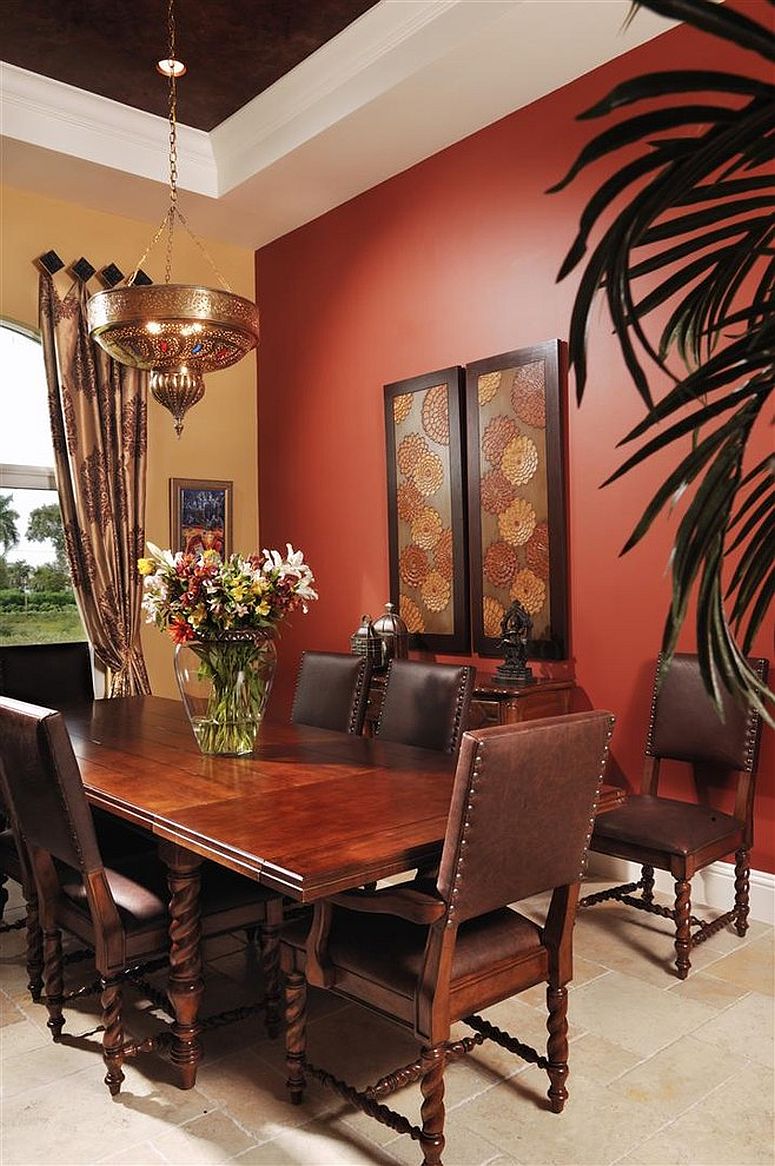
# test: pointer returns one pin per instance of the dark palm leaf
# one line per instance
(698, 215)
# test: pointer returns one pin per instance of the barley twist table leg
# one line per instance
(185, 988)
(295, 1033)
(34, 950)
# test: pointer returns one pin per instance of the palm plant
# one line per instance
(695, 239)
(9, 535)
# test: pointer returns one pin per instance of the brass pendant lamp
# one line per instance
(177, 331)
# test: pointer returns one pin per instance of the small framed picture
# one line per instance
(200, 516)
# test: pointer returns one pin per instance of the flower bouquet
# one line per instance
(222, 615)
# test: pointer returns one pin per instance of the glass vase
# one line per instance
(225, 684)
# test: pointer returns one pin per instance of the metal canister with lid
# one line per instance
(394, 634)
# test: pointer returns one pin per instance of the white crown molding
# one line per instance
(56, 116)
(405, 80)
(388, 45)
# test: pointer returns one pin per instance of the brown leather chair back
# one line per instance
(42, 784)
(46, 674)
(685, 725)
(332, 691)
(522, 810)
(426, 704)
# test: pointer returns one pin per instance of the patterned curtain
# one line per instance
(98, 423)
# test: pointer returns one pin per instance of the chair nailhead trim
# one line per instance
(587, 840)
(476, 776)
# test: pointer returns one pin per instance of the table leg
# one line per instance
(186, 987)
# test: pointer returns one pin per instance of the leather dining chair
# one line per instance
(680, 836)
(119, 911)
(332, 691)
(519, 824)
(426, 705)
(51, 675)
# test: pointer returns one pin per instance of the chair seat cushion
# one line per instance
(667, 825)
(388, 952)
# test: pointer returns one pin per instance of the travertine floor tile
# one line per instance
(706, 989)
(675, 1078)
(633, 1014)
(144, 1155)
(318, 1143)
(749, 967)
(733, 1126)
(745, 1029)
(212, 1138)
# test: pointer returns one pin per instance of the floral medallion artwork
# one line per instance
(223, 615)
(426, 508)
(516, 495)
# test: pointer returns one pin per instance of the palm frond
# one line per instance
(688, 226)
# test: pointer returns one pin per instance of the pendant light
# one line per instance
(178, 332)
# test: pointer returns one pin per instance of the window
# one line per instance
(37, 604)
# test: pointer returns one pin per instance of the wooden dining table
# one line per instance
(309, 813)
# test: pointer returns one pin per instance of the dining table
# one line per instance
(309, 813)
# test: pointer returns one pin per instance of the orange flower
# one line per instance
(402, 407)
(497, 492)
(181, 631)
(410, 451)
(520, 460)
(500, 563)
(428, 473)
(492, 614)
(442, 553)
(497, 436)
(529, 590)
(427, 528)
(413, 565)
(409, 501)
(436, 591)
(487, 386)
(537, 551)
(435, 414)
(517, 522)
(528, 394)
(410, 614)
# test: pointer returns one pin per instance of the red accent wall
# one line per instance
(451, 261)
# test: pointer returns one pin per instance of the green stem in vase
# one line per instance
(238, 697)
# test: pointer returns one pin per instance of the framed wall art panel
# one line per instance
(516, 495)
(426, 508)
(200, 516)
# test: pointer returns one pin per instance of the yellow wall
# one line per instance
(219, 439)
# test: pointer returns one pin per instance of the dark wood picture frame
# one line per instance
(200, 515)
(427, 534)
(517, 525)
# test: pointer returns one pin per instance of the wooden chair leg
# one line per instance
(34, 950)
(295, 1034)
(113, 1034)
(742, 885)
(647, 879)
(432, 1061)
(557, 1045)
(683, 935)
(53, 978)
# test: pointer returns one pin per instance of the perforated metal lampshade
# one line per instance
(178, 332)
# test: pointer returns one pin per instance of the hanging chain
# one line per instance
(173, 109)
(173, 210)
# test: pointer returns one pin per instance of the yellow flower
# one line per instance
(264, 607)
(146, 566)
(197, 615)
(211, 556)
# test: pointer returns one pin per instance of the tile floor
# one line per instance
(662, 1072)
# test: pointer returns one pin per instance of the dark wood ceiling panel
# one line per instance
(233, 50)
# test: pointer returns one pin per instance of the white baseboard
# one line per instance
(714, 886)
